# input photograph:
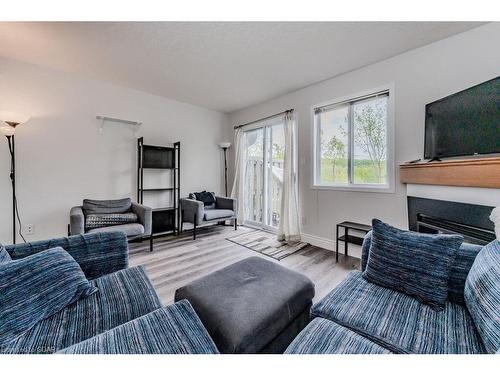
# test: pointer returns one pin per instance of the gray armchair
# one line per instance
(133, 228)
(194, 212)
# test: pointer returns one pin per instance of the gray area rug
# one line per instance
(267, 244)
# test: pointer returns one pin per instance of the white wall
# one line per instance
(472, 195)
(419, 76)
(61, 157)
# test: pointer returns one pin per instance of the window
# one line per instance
(352, 144)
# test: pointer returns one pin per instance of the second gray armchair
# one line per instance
(93, 216)
(195, 212)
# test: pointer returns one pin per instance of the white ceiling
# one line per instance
(220, 65)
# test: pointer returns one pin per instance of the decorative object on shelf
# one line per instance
(349, 238)
(225, 146)
(134, 124)
(12, 120)
(165, 219)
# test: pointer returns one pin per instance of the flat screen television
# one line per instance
(465, 123)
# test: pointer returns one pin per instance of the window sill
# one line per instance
(357, 188)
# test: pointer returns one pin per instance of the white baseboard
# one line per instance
(329, 244)
(322, 242)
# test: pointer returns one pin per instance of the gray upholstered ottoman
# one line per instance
(252, 306)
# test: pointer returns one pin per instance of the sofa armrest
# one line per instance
(176, 330)
(98, 254)
(190, 208)
(36, 287)
(225, 203)
(76, 221)
(144, 216)
(365, 250)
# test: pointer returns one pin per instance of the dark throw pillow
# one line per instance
(36, 287)
(412, 263)
(208, 198)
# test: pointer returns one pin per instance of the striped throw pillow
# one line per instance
(416, 264)
(482, 295)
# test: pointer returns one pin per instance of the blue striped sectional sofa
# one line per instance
(359, 317)
(123, 316)
(119, 312)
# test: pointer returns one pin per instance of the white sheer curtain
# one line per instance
(289, 226)
(238, 190)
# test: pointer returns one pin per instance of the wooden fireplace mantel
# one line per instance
(481, 172)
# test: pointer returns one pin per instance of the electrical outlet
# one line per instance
(30, 229)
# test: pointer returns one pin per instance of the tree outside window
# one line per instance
(365, 160)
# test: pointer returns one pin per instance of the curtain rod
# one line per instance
(264, 118)
(353, 100)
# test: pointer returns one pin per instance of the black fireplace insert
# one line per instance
(437, 216)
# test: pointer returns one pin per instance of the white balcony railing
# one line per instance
(254, 186)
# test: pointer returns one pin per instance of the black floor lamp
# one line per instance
(12, 120)
(225, 146)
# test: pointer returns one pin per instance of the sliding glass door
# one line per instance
(254, 176)
(265, 148)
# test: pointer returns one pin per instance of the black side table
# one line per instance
(349, 238)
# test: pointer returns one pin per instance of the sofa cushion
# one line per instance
(111, 206)
(37, 287)
(217, 214)
(106, 220)
(246, 305)
(459, 270)
(4, 255)
(482, 295)
(122, 296)
(323, 336)
(175, 329)
(413, 263)
(397, 321)
(130, 230)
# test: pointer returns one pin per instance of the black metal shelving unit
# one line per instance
(165, 219)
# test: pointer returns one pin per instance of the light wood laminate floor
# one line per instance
(176, 261)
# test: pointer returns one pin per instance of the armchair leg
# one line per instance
(69, 230)
(151, 242)
(182, 222)
(194, 229)
(235, 224)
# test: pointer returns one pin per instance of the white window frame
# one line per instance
(389, 187)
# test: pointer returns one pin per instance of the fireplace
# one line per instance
(437, 216)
